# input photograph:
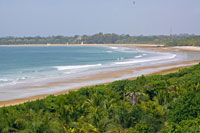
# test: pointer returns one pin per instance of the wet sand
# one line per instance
(107, 75)
(157, 69)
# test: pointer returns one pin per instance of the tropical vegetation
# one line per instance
(100, 38)
(158, 103)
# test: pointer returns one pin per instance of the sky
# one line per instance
(86, 17)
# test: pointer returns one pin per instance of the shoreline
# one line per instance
(117, 73)
(157, 69)
(155, 47)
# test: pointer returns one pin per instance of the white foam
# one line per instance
(139, 56)
(67, 72)
(4, 80)
(124, 49)
(146, 60)
(61, 68)
(22, 78)
(114, 47)
(109, 51)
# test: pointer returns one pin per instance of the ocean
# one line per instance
(35, 65)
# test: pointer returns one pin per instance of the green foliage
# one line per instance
(158, 103)
(100, 38)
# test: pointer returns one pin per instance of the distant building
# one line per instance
(79, 38)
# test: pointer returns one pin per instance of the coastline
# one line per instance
(156, 47)
(118, 73)
(156, 69)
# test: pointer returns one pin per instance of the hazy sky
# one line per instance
(78, 17)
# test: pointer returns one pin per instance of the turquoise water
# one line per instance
(23, 63)
(23, 66)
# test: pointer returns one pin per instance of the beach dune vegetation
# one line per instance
(158, 103)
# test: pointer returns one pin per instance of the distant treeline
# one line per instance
(100, 38)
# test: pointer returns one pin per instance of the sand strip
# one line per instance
(102, 76)
(112, 74)
(156, 47)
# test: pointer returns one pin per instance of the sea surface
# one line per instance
(23, 66)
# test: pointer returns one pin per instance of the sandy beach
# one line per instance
(117, 74)
(106, 75)
(157, 47)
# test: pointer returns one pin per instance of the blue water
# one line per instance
(25, 63)
(25, 71)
